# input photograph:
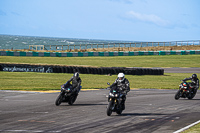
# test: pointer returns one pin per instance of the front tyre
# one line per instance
(178, 94)
(109, 108)
(59, 100)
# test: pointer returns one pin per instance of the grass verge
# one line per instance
(52, 81)
(114, 61)
(193, 129)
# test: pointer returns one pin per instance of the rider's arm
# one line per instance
(187, 79)
(114, 84)
(68, 81)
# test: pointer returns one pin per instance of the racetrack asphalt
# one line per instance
(147, 111)
(182, 70)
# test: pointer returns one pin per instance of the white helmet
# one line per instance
(121, 77)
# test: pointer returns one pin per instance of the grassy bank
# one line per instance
(194, 129)
(115, 61)
(52, 81)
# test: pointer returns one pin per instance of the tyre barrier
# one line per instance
(80, 69)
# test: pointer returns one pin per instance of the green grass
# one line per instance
(115, 61)
(194, 129)
(52, 81)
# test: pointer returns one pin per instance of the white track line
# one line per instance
(182, 129)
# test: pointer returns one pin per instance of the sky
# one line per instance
(128, 20)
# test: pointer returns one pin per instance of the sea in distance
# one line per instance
(55, 43)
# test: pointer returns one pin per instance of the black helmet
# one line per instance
(76, 75)
(194, 76)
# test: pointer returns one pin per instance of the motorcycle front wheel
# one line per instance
(59, 100)
(178, 94)
(109, 108)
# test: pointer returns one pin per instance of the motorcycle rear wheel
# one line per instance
(119, 112)
(177, 95)
(192, 95)
(109, 108)
(72, 99)
(59, 100)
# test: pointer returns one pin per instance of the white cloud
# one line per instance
(148, 18)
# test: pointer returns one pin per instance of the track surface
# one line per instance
(147, 111)
(182, 70)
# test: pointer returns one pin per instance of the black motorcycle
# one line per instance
(115, 101)
(66, 95)
(186, 90)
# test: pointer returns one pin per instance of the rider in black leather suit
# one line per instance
(76, 83)
(123, 83)
(195, 81)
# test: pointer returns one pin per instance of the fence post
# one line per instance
(80, 46)
(158, 43)
(97, 46)
(147, 44)
(141, 44)
(152, 44)
(135, 44)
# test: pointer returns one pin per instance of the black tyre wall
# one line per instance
(91, 70)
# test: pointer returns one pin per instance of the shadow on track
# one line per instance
(194, 99)
(188, 99)
(83, 104)
(139, 114)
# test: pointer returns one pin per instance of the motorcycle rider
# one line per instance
(195, 81)
(122, 83)
(76, 83)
